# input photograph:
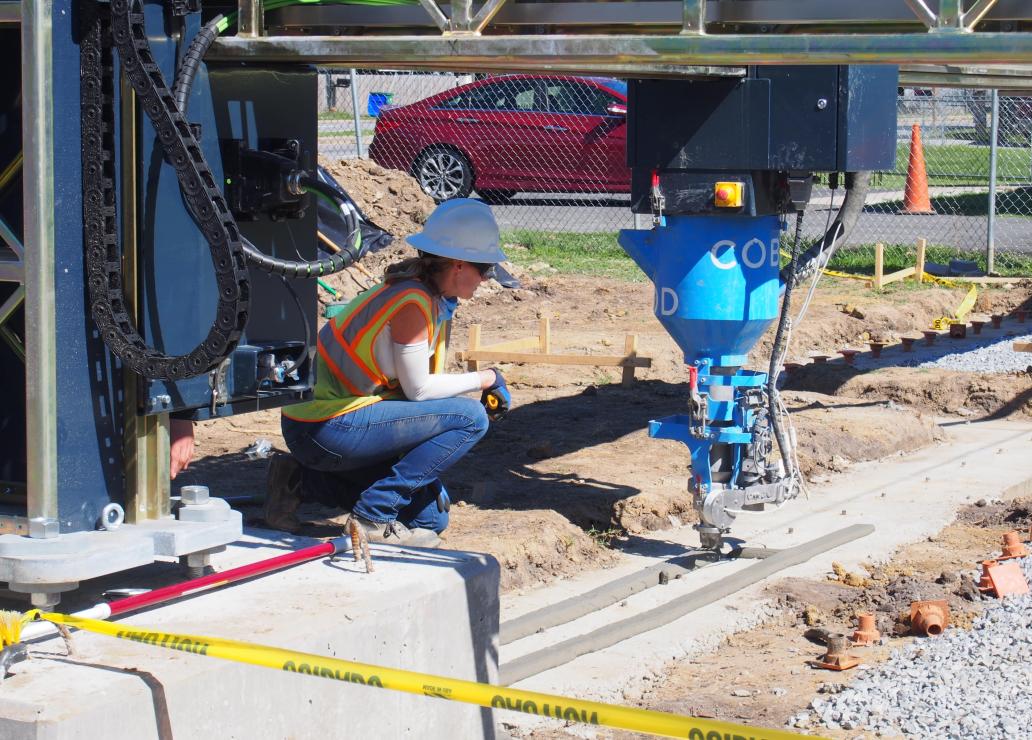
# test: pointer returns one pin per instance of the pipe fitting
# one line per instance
(836, 659)
(929, 618)
(1013, 547)
(866, 632)
(985, 583)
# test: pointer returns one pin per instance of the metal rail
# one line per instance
(645, 53)
(40, 318)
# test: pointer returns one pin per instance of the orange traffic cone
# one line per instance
(915, 195)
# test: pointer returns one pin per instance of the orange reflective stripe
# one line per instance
(402, 299)
(337, 373)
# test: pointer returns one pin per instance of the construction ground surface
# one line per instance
(570, 487)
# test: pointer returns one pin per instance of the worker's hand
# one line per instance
(181, 447)
(496, 397)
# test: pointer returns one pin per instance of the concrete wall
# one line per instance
(429, 611)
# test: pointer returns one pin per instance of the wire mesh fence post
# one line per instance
(355, 112)
(990, 232)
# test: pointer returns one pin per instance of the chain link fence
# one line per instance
(548, 154)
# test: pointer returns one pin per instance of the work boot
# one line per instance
(396, 533)
(282, 494)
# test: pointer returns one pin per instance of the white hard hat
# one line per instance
(462, 229)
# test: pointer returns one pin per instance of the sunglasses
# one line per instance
(486, 269)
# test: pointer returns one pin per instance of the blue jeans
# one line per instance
(402, 446)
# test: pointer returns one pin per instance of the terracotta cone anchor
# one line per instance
(908, 343)
(929, 617)
(866, 633)
(985, 583)
(849, 355)
(997, 319)
(835, 659)
(929, 336)
(876, 348)
(958, 330)
(976, 326)
(1013, 547)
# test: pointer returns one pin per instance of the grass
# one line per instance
(349, 134)
(960, 164)
(583, 254)
(860, 260)
(336, 115)
(1016, 202)
(599, 254)
(604, 537)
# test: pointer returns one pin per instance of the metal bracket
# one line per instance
(950, 17)
(217, 383)
(694, 17)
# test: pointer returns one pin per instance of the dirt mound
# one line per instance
(393, 201)
(531, 546)
(833, 433)
(931, 389)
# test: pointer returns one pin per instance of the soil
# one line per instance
(762, 677)
(549, 487)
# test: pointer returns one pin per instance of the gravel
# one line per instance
(963, 684)
(997, 357)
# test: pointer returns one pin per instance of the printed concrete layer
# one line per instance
(906, 498)
(432, 611)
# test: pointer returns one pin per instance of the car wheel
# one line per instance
(496, 197)
(444, 173)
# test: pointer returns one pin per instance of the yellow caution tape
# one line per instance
(943, 322)
(470, 692)
(11, 624)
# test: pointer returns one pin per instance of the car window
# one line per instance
(504, 95)
(576, 97)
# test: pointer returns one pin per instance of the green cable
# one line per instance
(328, 288)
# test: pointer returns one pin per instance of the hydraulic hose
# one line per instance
(349, 254)
(817, 256)
(192, 61)
(775, 359)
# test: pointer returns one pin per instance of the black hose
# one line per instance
(300, 268)
(303, 354)
(775, 358)
(349, 254)
(192, 62)
(817, 256)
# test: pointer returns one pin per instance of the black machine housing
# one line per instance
(769, 130)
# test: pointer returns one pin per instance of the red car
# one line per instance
(500, 135)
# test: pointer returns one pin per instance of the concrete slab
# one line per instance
(906, 498)
(433, 611)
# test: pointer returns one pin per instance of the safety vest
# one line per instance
(347, 375)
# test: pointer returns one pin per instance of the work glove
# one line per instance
(496, 398)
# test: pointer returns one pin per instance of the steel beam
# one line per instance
(768, 13)
(40, 319)
(10, 13)
(599, 53)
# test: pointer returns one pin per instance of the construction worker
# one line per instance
(380, 418)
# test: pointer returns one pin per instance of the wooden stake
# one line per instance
(879, 266)
(919, 267)
(474, 345)
(544, 336)
(631, 350)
